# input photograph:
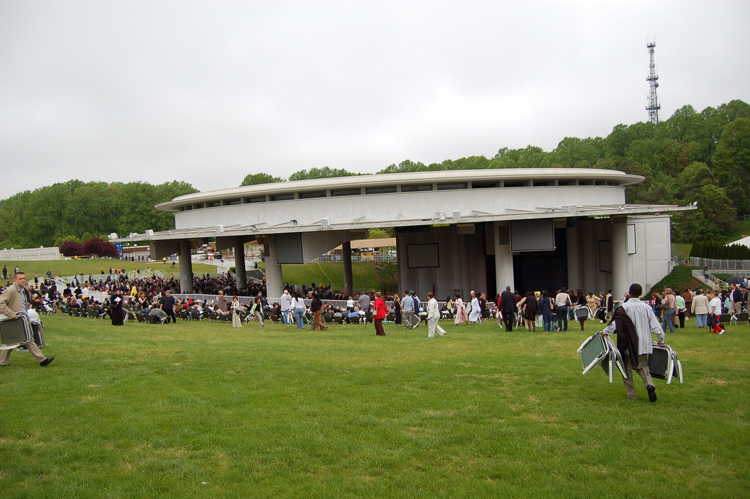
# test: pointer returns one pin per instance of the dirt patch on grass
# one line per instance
(542, 418)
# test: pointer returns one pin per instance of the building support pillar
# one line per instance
(346, 258)
(274, 280)
(574, 268)
(239, 262)
(504, 275)
(186, 267)
(620, 284)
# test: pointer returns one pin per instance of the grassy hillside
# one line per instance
(326, 273)
(680, 278)
(93, 266)
(329, 274)
(742, 230)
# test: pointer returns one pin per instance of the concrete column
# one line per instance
(407, 278)
(274, 280)
(186, 267)
(504, 275)
(466, 284)
(574, 267)
(346, 258)
(456, 262)
(239, 262)
(620, 282)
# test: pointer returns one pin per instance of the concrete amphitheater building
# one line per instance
(459, 230)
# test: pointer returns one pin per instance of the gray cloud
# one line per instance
(207, 92)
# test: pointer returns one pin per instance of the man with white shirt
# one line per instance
(433, 316)
(286, 304)
(640, 316)
(714, 313)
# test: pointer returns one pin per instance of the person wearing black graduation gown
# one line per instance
(116, 312)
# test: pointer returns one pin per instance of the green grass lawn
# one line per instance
(683, 250)
(363, 275)
(65, 268)
(742, 230)
(203, 410)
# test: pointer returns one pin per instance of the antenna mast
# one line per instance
(653, 101)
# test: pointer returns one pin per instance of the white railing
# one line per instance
(720, 264)
(709, 279)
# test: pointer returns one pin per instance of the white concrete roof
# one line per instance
(611, 177)
(361, 202)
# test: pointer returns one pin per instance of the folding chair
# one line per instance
(15, 333)
(664, 363)
(737, 318)
(581, 312)
(600, 350)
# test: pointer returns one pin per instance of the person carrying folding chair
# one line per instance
(633, 322)
(13, 306)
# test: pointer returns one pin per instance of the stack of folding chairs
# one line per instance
(600, 350)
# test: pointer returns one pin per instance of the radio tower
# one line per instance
(653, 101)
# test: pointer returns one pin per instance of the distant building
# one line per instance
(30, 254)
(135, 253)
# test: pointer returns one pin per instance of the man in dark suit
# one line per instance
(508, 307)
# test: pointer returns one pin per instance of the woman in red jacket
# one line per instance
(378, 314)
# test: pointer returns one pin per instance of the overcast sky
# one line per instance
(209, 91)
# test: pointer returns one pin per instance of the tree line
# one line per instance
(711, 248)
(78, 211)
(701, 157)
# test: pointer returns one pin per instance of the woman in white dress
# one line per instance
(476, 312)
(236, 321)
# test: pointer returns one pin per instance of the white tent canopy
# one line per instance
(745, 241)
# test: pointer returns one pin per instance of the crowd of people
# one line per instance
(550, 311)
(707, 307)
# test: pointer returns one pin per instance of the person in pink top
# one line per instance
(461, 315)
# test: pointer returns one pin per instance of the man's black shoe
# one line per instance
(46, 361)
(651, 393)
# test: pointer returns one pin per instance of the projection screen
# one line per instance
(422, 256)
(532, 235)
